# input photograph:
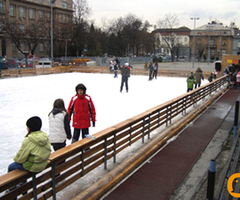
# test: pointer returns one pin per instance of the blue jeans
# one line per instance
(14, 166)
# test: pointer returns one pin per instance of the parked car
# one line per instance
(3, 63)
(22, 63)
(12, 62)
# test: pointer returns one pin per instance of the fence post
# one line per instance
(211, 180)
(53, 181)
(34, 186)
(236, 117)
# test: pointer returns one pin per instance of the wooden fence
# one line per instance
(76, 160)
(19, 72)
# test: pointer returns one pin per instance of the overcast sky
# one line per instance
(226, 11)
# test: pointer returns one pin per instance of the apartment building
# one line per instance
(180, 36)
(25, 12)
(212, 40)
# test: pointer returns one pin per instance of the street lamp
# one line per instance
(194, 18)
(52, 2)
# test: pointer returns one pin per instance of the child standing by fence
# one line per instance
(59, 128)
(83, 110)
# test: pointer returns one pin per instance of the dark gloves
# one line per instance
(93, 124)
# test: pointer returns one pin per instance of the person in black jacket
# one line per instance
(125, 72)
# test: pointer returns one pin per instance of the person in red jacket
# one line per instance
(83, 110)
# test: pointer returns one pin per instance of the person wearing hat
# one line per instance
(190, 82)
(83, 110)
(125, 72)
(35, 150)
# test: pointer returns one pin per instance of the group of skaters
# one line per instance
(36, 147)
(195, 80)
(153, 70)
(234, 74)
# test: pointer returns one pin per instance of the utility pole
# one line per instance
(194, 18)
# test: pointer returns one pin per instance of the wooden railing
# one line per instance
(19, 72)
(76, 160)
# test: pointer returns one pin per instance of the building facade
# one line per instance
(23, 13)
(212, 40)
(180, 37)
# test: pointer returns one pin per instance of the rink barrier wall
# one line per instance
(20, 72)
(72, 162)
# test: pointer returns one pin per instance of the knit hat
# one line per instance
(126, 64)
(34, 123)
(82, 87)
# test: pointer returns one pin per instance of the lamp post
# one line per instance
(209, 43)
(194, 18)
(52, 2)
(220, 46)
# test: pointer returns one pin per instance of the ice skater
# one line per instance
(83, 110)
(125, 72)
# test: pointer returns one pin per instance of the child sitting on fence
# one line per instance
(35, 150)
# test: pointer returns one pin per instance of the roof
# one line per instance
(179, 31)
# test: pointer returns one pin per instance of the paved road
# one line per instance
(182, 66)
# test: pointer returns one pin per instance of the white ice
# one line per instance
(24, 97)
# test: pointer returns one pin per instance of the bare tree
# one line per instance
(81, 10)
(168, 35)
(26, 37)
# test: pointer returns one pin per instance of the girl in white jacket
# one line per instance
(59, 128)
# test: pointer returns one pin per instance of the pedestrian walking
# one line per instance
(83, 110)
(125, 72)
(59, 128)
(151, 69)
(198, 77)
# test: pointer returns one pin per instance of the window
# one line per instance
(31, 13)
(12, 28)
(1, 7)
(14, 47)
(1, 26)
(63, 18)
(21, 12)
(40, 31)
(40, 1)
(48, 2)
(40, 14)
(22, 27)
(23, 47)
(48, 16)
(11, 10)
(238, 44)
(64, 4)
(41, 47)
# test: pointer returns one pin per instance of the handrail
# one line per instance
(76, 160)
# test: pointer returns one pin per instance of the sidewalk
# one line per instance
(183, 158)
